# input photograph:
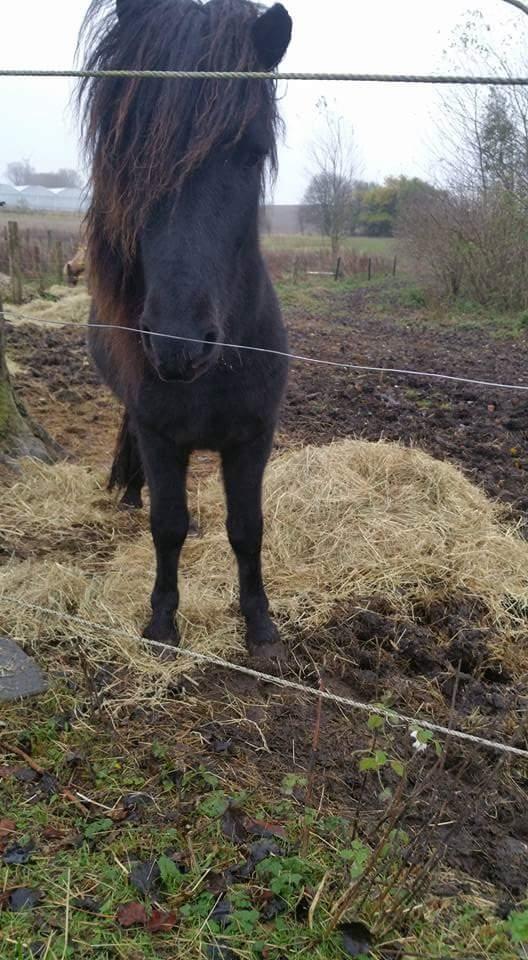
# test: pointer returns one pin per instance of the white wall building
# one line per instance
(34, 197)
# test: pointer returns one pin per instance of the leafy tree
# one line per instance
(500, 153)
(382, 207)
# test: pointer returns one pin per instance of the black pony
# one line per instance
(178, 168)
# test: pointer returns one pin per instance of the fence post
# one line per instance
(49, 250)
(394, 265)
(38, 268)
(369, 268)
(59, 260)
(296, 269)
(338, 269)
(14, 261)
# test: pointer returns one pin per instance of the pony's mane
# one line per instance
(144, 137)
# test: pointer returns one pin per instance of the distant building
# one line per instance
(35, 197)
(285, 218)
(274, 218)
(9, 195)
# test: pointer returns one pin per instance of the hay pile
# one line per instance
(71, 306)
(345, 521)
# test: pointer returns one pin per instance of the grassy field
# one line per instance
(127, 848)
(35, 220)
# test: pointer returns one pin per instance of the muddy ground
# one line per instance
(442, 663)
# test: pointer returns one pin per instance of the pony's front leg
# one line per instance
(243, 469)
(166, 469)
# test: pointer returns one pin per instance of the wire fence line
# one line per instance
(341, 364)
(442, 79)
(212, 660)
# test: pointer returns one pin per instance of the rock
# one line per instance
(20, 676)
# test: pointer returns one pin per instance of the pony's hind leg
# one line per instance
(127, 468)
(166, 470)
(243, 470)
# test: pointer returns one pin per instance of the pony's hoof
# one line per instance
(263, 641)
(194, 529)
(269, 651)
(130, 502)
(167, 635)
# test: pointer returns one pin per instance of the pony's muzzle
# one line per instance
(179, 358)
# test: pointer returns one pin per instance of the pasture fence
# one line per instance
(35, 255)
(433, 79)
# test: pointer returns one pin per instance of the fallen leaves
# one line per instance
(24, 898)
(357, 939)
(161, 921)
(133, 914)
(237, 826)
(145, 877)
(87, 904)
(18, 854)
(7, 831)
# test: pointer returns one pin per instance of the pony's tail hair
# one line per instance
(127, 468)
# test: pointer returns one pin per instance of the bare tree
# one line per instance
(329, 197)
(22, 173)
(472, 235)
(19, 172)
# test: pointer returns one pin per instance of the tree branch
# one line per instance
(519, 5)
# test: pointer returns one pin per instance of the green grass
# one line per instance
(399, 299)
(185, 823)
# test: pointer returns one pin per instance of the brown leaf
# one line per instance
(51, 833)
(161, 921)
(131, 915)
(263, 828)
(6, 772)
(7, 828)
(118, 815)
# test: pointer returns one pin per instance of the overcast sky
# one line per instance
(394, 125)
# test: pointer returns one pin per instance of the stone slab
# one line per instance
(20, 675)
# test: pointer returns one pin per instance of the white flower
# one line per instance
(417, 743)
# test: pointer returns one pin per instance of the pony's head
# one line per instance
(178, 167)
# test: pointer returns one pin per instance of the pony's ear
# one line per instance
(271, 35)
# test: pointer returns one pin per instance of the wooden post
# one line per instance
(49, 251)
(59, 260)
(338, 269)
(38, 268)
(369, 268)
(394, 265)
(14, 261)
(296, 269)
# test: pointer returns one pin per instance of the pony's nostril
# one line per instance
(210, 339)
(146, 335)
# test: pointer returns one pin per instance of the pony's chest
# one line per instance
(211, 415)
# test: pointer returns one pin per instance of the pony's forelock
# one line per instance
(144, 137)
